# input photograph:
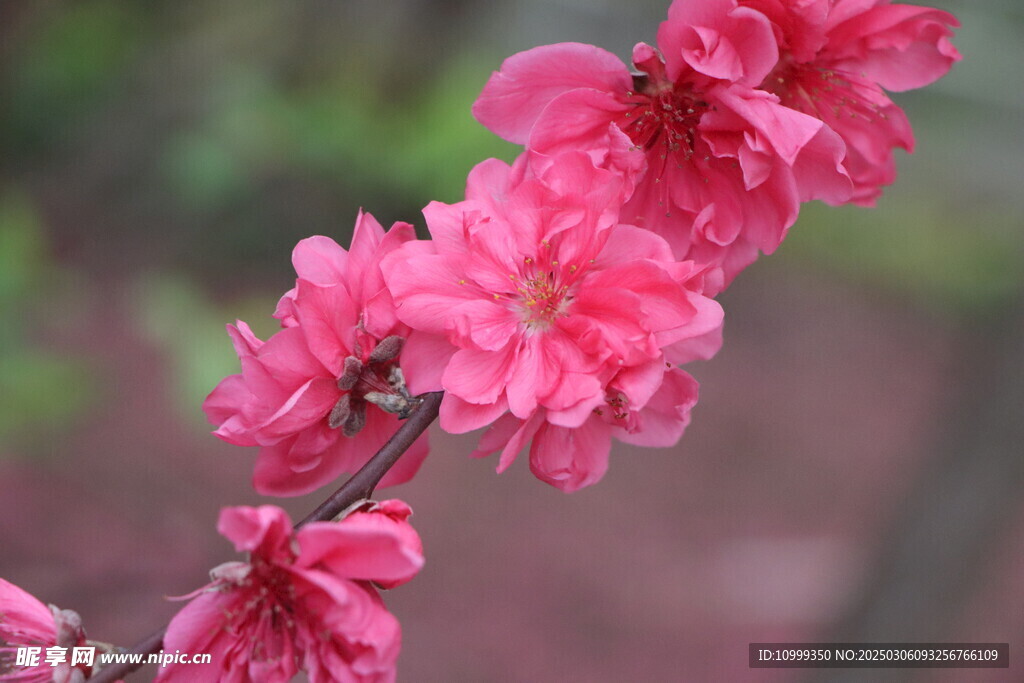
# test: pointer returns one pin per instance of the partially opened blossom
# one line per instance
(545, 299)
(325, 393)
(26, 622)
(304, 600)
(726, 165)
(836, 56)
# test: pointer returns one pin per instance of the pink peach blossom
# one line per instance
(572, 458)
(835, 59)
(26, 622)
(545, 299)
(726, 165)
(323, 394)
(304, 600)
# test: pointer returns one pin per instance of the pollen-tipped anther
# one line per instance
(388, 349)
(341, 411)
(350, 374)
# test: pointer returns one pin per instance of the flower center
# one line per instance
(823, 93)
(618, 406)
(662, 115)
(378, 381)
(268, 611)
(663, 123)
(617, 412)
(544, 292)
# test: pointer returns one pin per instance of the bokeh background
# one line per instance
(854, 469)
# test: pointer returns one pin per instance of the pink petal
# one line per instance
(515, 96)
(485, 324)
(489, 182)
(23, 614)
(199, 627)
(640, 383)
(700, 338)
(628, 243)
(492, 261)
(223, 407)
(479, 376)
(320, 260)
(380, 317)
(510, 434)
(245, 342)
(327, 316)
(519, 440)
(564, 377)
(427, 287)
(718, 39)
(366, 239)
(290, 468)
(308, 405)
(265, 530)
(532, 375)
(570, 459)
(497, 435)
(667, 414)
(780, 129)
(664, 304)
(424, 358)
(363, 638)
(579, 121)
(575, 415)
(285, 361)
(459, 417)
(371, 546)
(605, 323)
(901, 47)
(820, 172)
(447, 225)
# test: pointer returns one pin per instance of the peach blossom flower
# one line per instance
(326, 392)
(304, 600)
(836, 59)
(548, 304)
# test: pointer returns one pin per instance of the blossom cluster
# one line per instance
(553, 305)
(555, 302)
(744, 110)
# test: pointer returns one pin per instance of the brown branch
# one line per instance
(359, 486)
(114, 672)
(362, 483)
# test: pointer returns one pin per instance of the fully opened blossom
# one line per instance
(304, 600)
(549, 305)
(323, 394)
(836, 56)
(27, 623)
(726, 164)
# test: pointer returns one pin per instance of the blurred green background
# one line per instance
(160, 160)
